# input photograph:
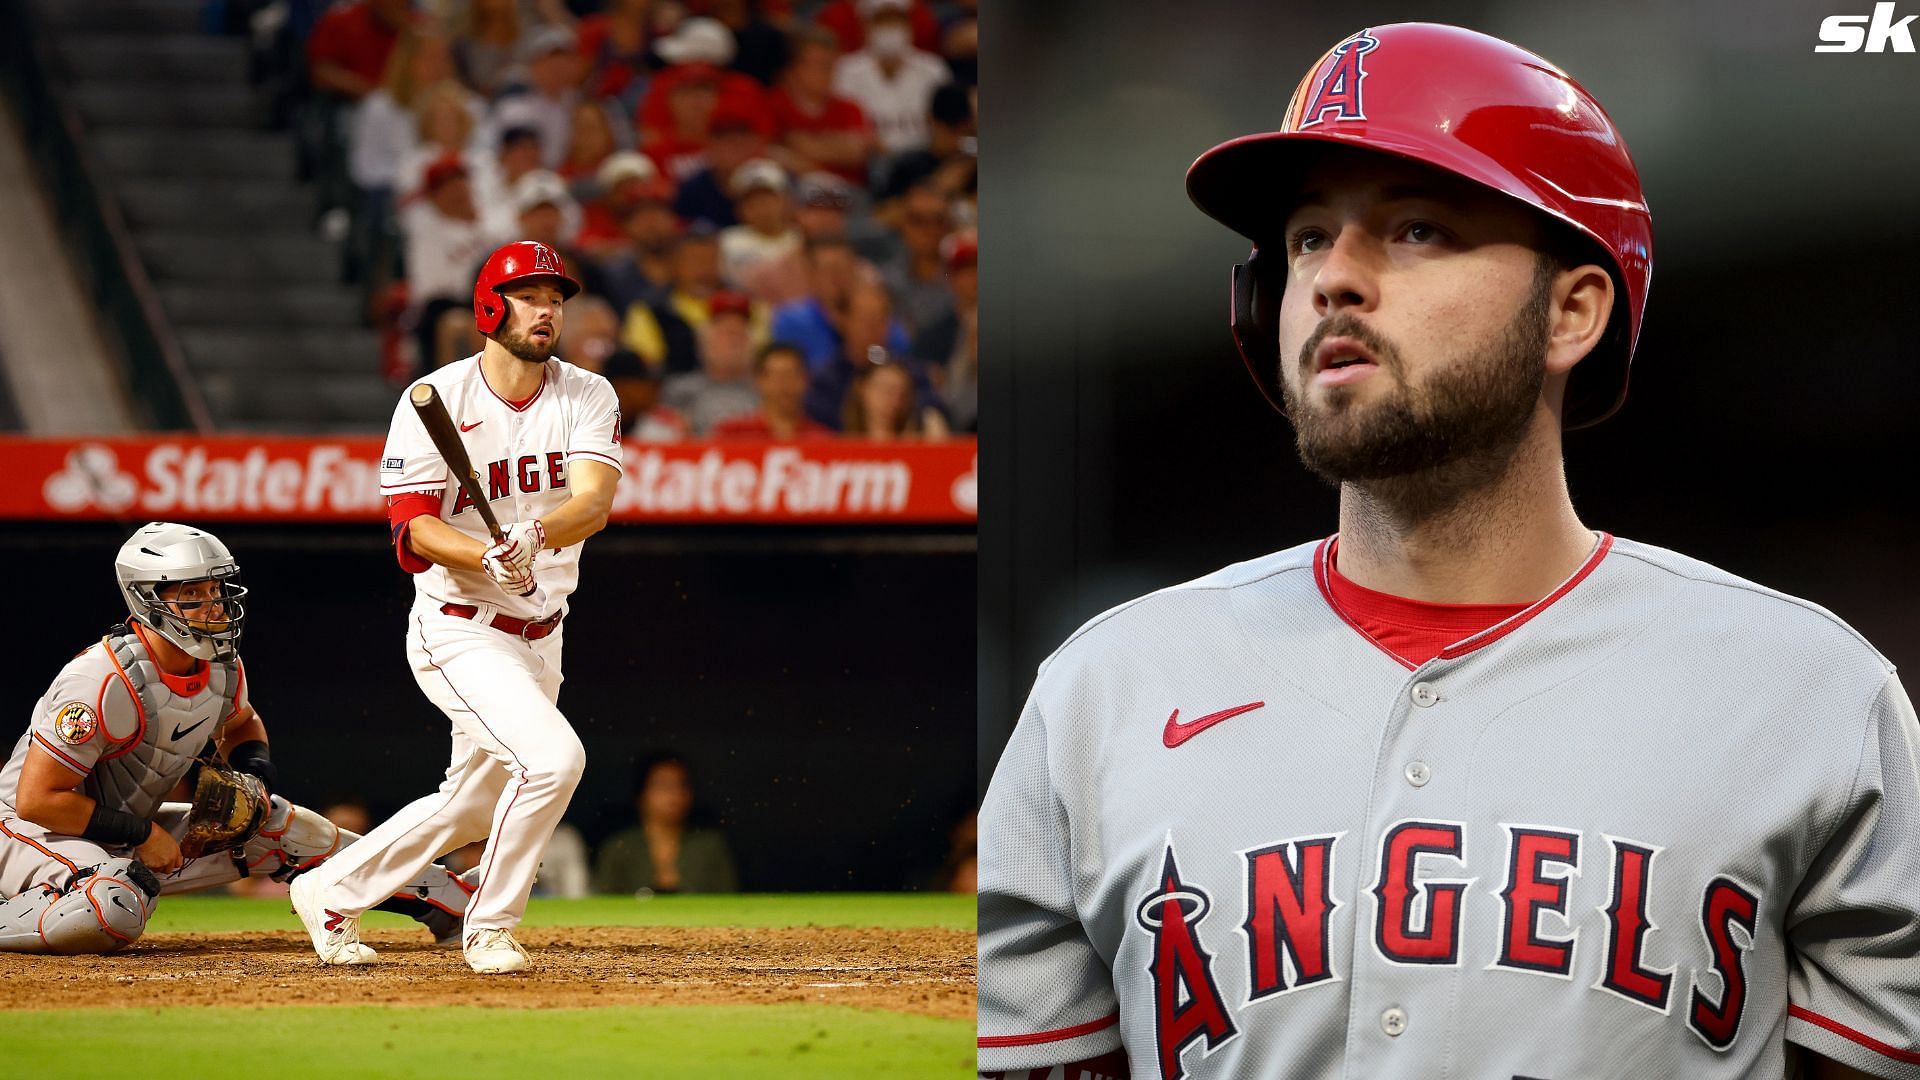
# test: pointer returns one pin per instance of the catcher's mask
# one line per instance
(165, 557)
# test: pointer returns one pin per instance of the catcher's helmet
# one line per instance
(1468, 104)
(517, 261)
(162, 553)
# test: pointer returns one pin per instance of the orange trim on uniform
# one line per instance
(99, 915)
(140, 707)
(62, 859)
(239, 684)
(64, 759)
(185, 685)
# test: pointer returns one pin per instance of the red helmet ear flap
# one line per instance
(1255, 319)
(489, 309)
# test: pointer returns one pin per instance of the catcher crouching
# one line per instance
(88, 839)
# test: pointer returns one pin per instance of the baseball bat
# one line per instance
(433, 414)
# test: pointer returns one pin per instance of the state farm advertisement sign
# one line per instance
(302, 479)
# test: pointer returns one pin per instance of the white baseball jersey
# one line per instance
(1659, 824)
(516, 760)
(521, 454)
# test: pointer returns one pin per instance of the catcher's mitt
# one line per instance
(228, 808)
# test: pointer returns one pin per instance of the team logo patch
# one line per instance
(75, 723)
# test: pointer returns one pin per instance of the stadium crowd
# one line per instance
(770, 204)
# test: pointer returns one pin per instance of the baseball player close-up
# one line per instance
(145, 770)
(1469, 787)
(492, 576)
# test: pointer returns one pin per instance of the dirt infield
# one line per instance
(928, 972)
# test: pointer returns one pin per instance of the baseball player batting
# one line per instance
(495, 553)
(1467, 789)
(90, 834)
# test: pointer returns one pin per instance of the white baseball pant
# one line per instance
(515, 764)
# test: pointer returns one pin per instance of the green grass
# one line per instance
(777, 1042)
(215, 914)
(788, 1042)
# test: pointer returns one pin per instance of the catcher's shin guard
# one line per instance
(293, 839)
(105, 909)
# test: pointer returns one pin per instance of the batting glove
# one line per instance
(516, 577)
(531, 535)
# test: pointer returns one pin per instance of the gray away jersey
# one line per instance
(1657, 825)
(112, 717)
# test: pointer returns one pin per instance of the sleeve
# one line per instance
(1853, 929)
(410, 462)
(70, 727)
(596, 424)
(401, 510)
(1046, 995)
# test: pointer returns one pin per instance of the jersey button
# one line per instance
(1423, 695)
(1393, 1021)
(1418, 773)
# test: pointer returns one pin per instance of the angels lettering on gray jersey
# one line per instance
(1661, 823)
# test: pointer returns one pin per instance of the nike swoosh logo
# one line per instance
(180, 732)
(115, 901)
(470, 427)
(1178, 732)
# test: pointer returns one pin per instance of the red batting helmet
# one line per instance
(517, 261)
(1470, 105)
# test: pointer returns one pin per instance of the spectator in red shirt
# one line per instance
(780, 374)
(347, 53)
(815, 129)
(680, 147)
(701, 49)
(847, 20)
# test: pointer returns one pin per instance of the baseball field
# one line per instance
(778, 986)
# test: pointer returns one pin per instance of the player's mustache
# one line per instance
(1345, 325)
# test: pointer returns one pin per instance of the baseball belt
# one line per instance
(520, 628)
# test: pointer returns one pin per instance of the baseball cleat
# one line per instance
(494, 952)
(336, 937)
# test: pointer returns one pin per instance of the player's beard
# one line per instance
(1473, 409)
(525, 348)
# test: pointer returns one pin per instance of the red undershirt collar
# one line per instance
(1416, 631)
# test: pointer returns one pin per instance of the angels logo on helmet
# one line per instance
(1339, 87)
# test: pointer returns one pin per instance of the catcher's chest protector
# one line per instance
(157, 731)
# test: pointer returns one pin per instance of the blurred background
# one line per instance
(1771, 423)
(238, 228)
